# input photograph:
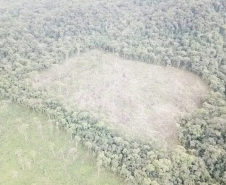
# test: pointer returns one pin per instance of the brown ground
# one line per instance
(141, 99)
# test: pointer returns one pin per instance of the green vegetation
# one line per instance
(53, 159)
(189, 35)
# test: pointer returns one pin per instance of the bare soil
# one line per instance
(141, 99)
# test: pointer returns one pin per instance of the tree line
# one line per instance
(190, 35)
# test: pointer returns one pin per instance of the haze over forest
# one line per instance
(113, 92)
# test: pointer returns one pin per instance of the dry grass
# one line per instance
(140, 99)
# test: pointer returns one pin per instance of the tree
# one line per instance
(99, 164)
(51, 126)
(39, 125)
(72, 152)
(100, 159)
(88, 144)
(28, 162)
(62, 151)
(20, 159)
(15, 174)
(23, 130)
(51, 147)
(154, 31)
(33, 154)
(78, 49)
(71, 129)
(77, 139)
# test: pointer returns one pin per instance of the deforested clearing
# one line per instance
(142, 100)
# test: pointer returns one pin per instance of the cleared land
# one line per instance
(50, 160)
(141, 99)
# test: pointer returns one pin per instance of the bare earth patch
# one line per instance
(141, 99)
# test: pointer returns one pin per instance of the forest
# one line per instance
(39, 40)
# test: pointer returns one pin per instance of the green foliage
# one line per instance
(189, 35)
(51, 160)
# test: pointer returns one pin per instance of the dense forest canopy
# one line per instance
(35, 35)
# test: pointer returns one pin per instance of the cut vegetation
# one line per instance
(34, 153)
(141, 99)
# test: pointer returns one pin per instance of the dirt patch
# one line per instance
(141, 99)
